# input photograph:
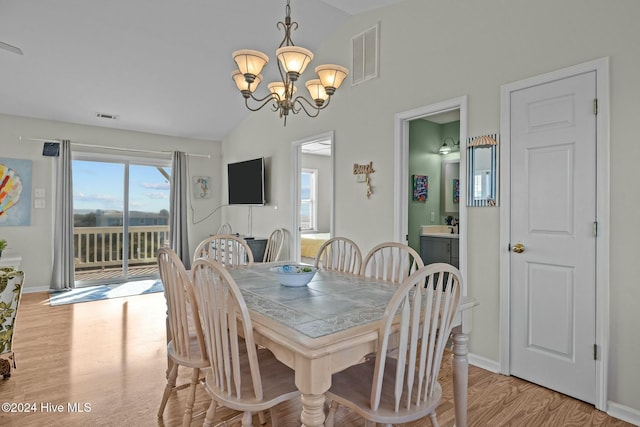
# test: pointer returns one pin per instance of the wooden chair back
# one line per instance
(182, 309)
(274, 245)
(392, 262)
(224, 312)
(425, 304)
(227, 249)
(224, 229)
(339, 254)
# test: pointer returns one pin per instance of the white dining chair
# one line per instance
(404, 388)
(391, 261)
(224, 229)
(186, 341)
(339, 254)
(275, 243)
(243, 376)
(229, 250)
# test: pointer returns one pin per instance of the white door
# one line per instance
(553, 243)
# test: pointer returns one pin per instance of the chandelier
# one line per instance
(292, 61)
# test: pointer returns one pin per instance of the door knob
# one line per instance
(518, 248)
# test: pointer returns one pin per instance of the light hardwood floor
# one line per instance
(111, 355)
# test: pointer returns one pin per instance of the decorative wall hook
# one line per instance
(360, 170)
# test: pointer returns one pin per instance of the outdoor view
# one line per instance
(103, 249)
(307, 196)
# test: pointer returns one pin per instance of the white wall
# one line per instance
(438, 50)
(323, 165)
(34, 242)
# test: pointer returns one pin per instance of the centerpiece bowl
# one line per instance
(294, 274)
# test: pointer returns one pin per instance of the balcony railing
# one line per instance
(102, 247)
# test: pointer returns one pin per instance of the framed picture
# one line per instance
(201, 187)
(456, 190)
(420, 186)
(15, 192)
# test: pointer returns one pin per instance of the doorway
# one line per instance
(312, 195)
(436, 112)
(121, 217)
(555, 230)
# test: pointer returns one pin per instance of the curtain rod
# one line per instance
(20, 138)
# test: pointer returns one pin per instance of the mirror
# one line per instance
(482, 171)
(450, 186)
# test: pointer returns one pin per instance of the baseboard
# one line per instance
(34, 289)
(484, 363)
(624, 413)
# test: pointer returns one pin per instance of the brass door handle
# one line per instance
(518, 248)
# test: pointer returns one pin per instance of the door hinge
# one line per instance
(595, 106)
(595, 228)
(406, 237)
(509, 247)
(595, 352)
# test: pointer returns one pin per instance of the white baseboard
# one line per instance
(624, 413)
(484, 363)
(34, 289)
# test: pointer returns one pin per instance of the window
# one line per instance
(309, 200)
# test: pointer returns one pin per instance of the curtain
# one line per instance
(63, 266)
(178, 211)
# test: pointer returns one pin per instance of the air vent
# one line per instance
(106, 116)
(364, 55)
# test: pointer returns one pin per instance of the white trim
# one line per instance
(401, 172)
(296, 167)
(624, 413)
(34, 289)
(601, 67)
(484, 363)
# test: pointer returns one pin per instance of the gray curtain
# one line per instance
(178, 212)
(63, 267)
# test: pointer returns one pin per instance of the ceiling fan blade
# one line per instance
(11, 48)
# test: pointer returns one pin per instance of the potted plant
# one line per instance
(3, 244)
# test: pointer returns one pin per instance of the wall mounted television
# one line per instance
(246, 182)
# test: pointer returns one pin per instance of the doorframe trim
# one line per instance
(296, 165)
(401, 169)
(601, 67)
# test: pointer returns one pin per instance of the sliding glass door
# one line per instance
(121, 218)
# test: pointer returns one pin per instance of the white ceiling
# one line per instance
(161, 66)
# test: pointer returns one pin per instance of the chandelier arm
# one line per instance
(316, 110)
(269, 98)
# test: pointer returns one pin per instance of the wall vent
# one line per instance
(106, 116)
(364, 55)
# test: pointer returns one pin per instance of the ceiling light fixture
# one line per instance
(292, 61)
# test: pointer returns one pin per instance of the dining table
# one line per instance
(329, 325)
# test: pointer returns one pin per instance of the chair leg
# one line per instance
(171, 383)
(188, 412)
(434, 419)
(275, 417)
(211, 414)
(262, 418)
(333, 406)
(247, 419)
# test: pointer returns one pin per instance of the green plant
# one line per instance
(3, 244)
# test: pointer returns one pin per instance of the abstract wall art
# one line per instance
(15, 192)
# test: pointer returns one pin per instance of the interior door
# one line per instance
(553, 243)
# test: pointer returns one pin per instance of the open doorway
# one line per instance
(312, 216)
(448, 192)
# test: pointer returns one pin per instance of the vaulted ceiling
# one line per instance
(160, 66)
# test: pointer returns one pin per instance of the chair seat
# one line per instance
(196, 360)
(278, 385)
(352, 388)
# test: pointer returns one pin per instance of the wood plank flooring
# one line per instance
(108, 358)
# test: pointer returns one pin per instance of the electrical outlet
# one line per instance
(38, 203)
(39, 193)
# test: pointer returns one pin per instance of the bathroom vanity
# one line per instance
(439, 244)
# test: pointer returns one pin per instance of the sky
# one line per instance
(100, 185)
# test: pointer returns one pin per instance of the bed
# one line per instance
(311, 242)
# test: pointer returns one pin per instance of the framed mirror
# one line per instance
(482, 171)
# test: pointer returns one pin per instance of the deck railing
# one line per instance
(100, 247)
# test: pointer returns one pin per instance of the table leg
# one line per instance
(312, 410)
(460, 366)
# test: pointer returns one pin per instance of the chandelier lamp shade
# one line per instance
(292, 61)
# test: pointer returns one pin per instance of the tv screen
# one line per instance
(246, 182)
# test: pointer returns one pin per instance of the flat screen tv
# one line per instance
(246, 182)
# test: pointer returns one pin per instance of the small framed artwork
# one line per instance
(420, 186)
(201, 187)
(456, 190)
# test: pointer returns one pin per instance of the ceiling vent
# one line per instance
(364, 55)
(106, 116)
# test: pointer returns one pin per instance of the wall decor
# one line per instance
(201, 187)
(15, 192)
(456, 190)
(482, 170)
(420, 186)
(365, 170)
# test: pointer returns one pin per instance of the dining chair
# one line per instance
(275, 243)
(404, 388)
(243, 376)
(339, 254)
(227, 249)
(186, 340)
(11, 282)
(391, 261)
(224, 229)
